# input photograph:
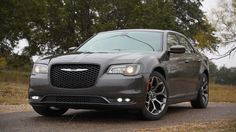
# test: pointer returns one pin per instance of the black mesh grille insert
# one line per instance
(75, 99)
(62, 78)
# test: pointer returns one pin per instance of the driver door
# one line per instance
(177, 68)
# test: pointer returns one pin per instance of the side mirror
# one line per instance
(71, 49)
(177, 49)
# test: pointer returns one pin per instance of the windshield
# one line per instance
(124, 41)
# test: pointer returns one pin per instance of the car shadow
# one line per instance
(109, 116)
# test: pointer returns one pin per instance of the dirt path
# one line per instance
(84, 120)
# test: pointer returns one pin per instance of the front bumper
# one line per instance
(104, 94)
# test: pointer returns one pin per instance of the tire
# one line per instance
(203, 94)
(49, 111)
(157, 95)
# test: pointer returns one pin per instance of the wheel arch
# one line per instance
(207, 74)
(160, 70)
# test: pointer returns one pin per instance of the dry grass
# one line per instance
(222, 93)
(217, 126)
(14, 77)
(16, 93)
(13, 93)
(15, 108)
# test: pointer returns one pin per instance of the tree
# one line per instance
(213, 70)
(192, 22)
(12, 25)
(226, 76)
(223, 75)
(2, 63)
(52, 26)
(224, 20)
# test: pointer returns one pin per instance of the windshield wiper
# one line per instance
(85, 51)
(119, 49)
(139, 41)
(132, 38)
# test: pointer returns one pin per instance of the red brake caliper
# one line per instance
(156, 89)
(147, 88)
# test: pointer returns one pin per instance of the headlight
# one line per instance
(40, 69)
(128, 69)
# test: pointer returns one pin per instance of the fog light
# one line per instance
(119, 100)
(127, 99)
(35, 97)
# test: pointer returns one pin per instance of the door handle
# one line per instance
(186, 61)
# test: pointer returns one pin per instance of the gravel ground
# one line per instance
(108, 121)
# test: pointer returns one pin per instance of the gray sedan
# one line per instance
(138, 69)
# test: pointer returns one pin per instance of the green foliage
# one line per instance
(206, 39)
(3, 63)
(52, 26)
(226, 76)
(14, 77)
(18, 62)
(213, 70)
(223, 75)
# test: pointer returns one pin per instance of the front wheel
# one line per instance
(156, 102)
(49, 111)
(203, 94)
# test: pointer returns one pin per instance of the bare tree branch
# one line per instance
(224, 18)
(228, 53)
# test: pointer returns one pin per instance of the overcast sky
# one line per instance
(229, 61)
(208, 5)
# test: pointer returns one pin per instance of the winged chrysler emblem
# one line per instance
(73, 70)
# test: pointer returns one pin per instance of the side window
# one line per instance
(172, 40)
(183, 41)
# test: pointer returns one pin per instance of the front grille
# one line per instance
(74, 79)
(75, 99)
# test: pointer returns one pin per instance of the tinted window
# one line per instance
(183, 41)
(172, 40)
(124, 41)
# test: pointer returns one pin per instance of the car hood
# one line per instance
(99, 58)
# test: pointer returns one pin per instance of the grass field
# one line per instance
(13, 93)
(222, 93)
(13, 87)
(14, 77)
(216, 126)
(16, 93)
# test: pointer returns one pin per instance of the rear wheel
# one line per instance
(203, 94)
(49, 111)
(156, 102)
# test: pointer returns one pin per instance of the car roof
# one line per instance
(141, 30)
(145, 30)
